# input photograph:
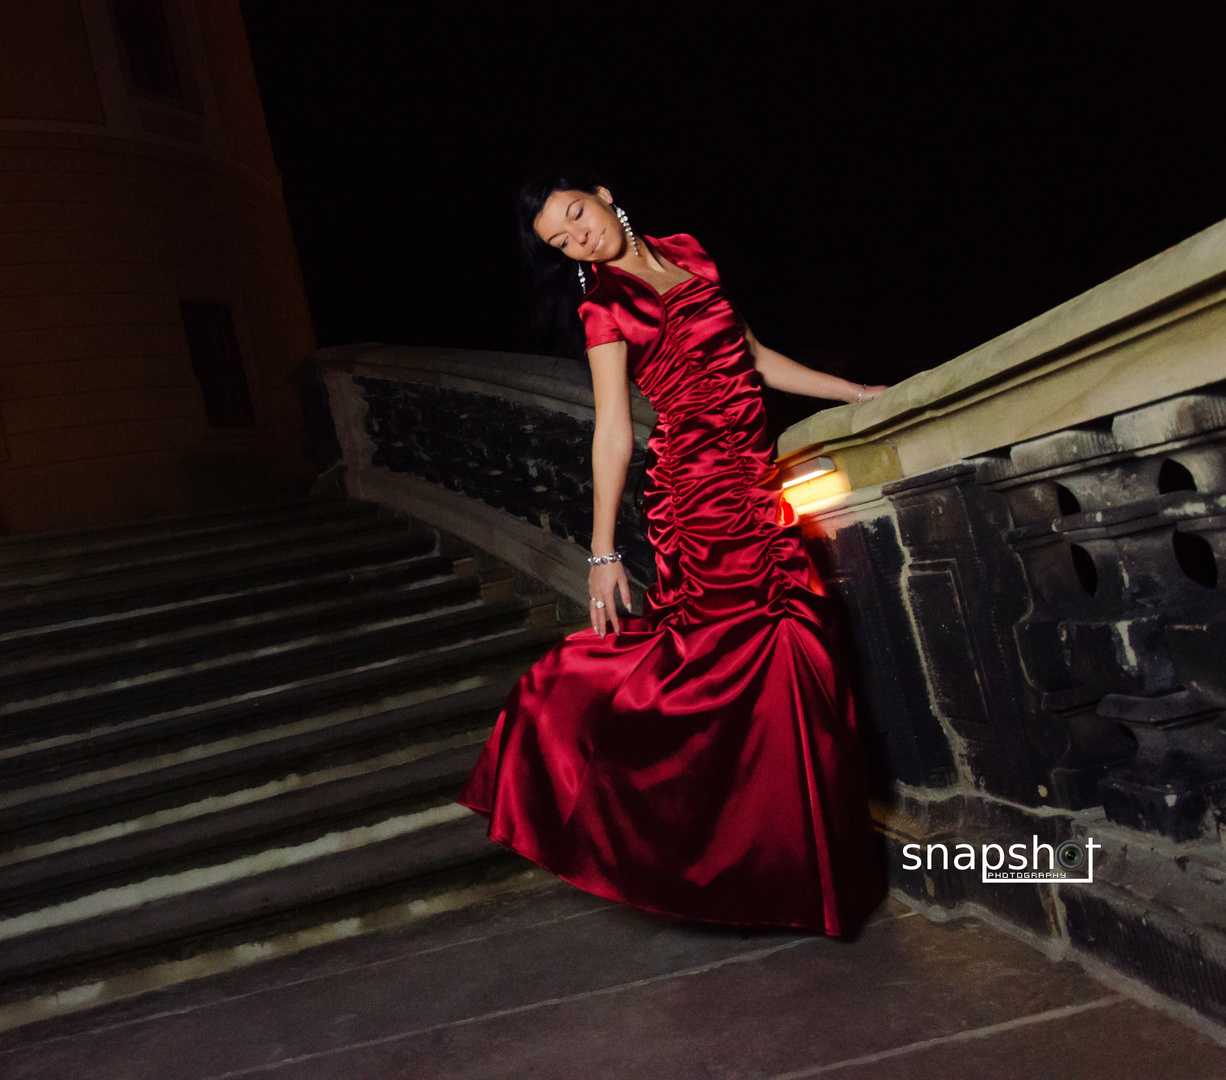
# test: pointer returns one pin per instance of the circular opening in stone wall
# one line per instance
(1174, 477)
(1195, 557)
(1067, 501)
(1083, 564)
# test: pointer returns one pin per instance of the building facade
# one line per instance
(152, 313)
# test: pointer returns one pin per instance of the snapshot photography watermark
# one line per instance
(1071, 862)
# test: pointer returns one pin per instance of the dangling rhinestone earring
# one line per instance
(582, 279)
(621, 216)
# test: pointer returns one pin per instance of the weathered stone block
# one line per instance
(860, 563)
(1061, 448)
(1166, 421)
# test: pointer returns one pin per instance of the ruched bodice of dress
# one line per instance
(710, 516)
(701, 362)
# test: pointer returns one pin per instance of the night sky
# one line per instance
(883, 185)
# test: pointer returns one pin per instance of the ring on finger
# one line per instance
(599, 605)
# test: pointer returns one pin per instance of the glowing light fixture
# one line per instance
(814, 469)
(817, 483)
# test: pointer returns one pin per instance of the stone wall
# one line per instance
(119, 203)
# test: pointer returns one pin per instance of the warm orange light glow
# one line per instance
(812, 493)
(807, 476)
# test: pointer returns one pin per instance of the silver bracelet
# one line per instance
(604, 560)
(860, 395)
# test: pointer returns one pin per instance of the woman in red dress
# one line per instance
(700, 760)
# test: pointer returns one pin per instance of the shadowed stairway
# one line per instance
(218, 729)
(228, 738)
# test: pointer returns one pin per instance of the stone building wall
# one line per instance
(137, 178)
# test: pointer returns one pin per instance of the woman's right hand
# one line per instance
(604, 584)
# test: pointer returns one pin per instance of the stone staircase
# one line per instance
(218, 729)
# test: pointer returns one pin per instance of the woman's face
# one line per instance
(581, 225)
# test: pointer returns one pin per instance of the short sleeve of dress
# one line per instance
(599, 326)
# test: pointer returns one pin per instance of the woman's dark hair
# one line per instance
(552, 279)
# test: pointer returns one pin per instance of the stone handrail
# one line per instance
(551, 382)
(1154, 331)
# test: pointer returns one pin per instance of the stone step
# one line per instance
(153, 783)
(80, 635)
(219, 728)
(223, 573)
(252, 669)
(37, 775)
(118, 837)
(52, 990)
(234, 895)
(154, 552)
(194, 640)
(34, 548)
(212, 830)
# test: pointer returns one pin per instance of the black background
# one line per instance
(883, 185)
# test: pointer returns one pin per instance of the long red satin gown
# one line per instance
(704, 762)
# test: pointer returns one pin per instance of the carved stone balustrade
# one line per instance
(1030, 545)
(492, 447)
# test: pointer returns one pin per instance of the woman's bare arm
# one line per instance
(612, 447)
(782, 373)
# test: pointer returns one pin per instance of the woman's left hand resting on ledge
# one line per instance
(780, 372)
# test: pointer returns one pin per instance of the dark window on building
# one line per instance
(213, 345)
(146, 43)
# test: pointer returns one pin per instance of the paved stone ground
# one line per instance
(557, 984)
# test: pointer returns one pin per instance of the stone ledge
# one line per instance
(548, 382)
(1154, 331)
